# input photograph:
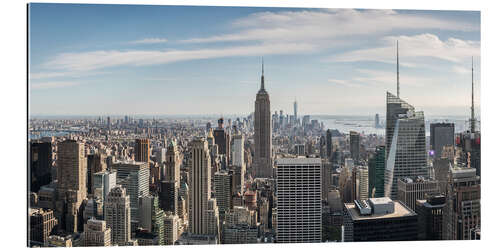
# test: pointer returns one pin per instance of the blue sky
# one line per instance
(155, 60)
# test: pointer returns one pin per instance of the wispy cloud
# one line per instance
(63, 74)
(149, 41)
(320, 26)
(51, 85)
(412, 48)
(93, 60)
(346, 83)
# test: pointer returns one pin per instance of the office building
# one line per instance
(96, 234)
(224, 190)
(222, 140)
(133, 176)
(94, 208)
(361, 183)
(262, 161)
(299, 200)
(379, 219)
(60, 241)
(442, 168)
(239, 234)
(40, 164)
(197, 239)
(442, 135)
(295, 109)
(172, 164)
(329, 145)
(412, 189)
(407, 154)
(326, 178)
(169, 195)
(117, 216)
(199, 186)
(103, 182)
(238, 160)
(300, 149)
(354, 140)
(430, 217)
(212, 217)
(376, 169)
(462, 213)
(171, 227)
(95, 163)
(42, 222)
(152, 217)
(142, 150)
(470, 146)
(71, 186)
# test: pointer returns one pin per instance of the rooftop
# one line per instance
(400, 210)
(298, 161)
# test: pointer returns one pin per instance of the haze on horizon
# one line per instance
(178, 60)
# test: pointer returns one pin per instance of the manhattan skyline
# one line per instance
(166, 60)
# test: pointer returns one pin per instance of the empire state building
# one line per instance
(262, 166)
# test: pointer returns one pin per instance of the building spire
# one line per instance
(472, 118)
(262, 77)
(397, 65)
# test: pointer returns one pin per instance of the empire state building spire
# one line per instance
(262, 77)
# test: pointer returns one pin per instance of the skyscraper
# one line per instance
(262, 133)
(442, 134)
(42, 222)
(199, 186)
(239, 161)
(222, 139)
(354, 140)
(117, 216)
(329, 145)
(379, 219)
(430, 217)
(362, 192)
(169, 195)
(142, 150)
(134, 176)
(103, 183)
(71, 186)
(407, 154)
(224, 190)
(299, 200)
(96, 234)
(376, 169)
(462, 212)
(295, 107)
(173, 163)
(40, 164)
(95, 163)
(412, 189)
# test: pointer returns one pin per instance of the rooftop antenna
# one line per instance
(472, 118)
(397, 64)
(262, 77)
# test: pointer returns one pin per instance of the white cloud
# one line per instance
(295, 32)
(411, 48)
(322, 26)
(45, 75)
(150, 41)
(50, 85)
(84, 61)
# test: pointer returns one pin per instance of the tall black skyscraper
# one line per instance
(262, 134)
(329, 145)
(40, 164)
(442, 134)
